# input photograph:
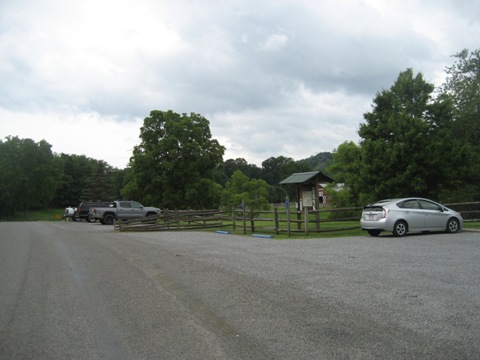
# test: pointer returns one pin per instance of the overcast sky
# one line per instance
(273, 77)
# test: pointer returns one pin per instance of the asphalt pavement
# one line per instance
(85, 291)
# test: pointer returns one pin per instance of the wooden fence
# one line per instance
(470, 210)
(276, 221)
(170, 220)
(280, 220)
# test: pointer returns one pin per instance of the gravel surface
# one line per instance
(84, 291)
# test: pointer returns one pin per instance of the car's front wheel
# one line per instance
(453, 226)
(108, 219)
(400, 228)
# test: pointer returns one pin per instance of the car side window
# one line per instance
(125, 204)
(427, 205)
(136, 205)
(410, 204)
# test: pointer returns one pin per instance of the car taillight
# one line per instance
(384, 213)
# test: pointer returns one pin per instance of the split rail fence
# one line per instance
(280, 220)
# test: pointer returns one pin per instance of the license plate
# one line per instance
(370, 217)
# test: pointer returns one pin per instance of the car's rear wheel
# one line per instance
(453, 225)
(374, 232)
(108, 219)
(91, 219)
(400, 228)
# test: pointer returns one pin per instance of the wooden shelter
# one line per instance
(310, 188)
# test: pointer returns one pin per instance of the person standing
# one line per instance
(68, 213)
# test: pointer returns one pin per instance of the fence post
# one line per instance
(234, 215)
(317, 221)
(277, 224)
(252, 222)
(177, 219)
(244, 221)
(305, 213)
(288, 222)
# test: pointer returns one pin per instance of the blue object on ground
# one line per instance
(263, 236)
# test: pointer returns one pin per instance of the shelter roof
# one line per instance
(305, 177)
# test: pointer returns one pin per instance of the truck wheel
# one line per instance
(108, 219)
(90, 219)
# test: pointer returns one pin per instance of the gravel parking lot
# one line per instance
(84, 291)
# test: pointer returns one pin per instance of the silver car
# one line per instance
(409, 215)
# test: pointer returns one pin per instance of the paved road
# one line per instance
(83, 291)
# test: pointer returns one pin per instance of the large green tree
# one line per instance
(231, 165)
(407, 147)
(30, 174)
(345, 168)
(173, 166)
(86, 179)
(276, 169)
(462, 85)
(103, 183)
(404, 150)
(76, 169)
(242, 190)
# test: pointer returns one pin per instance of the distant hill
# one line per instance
(319, 161)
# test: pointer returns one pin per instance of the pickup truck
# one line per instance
(121, 210)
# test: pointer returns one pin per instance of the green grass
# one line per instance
(37, 215)
(472, 225)
(328, 229)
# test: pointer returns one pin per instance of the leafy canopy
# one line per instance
(242, 190)
(406, 148)
(30, 174)
(174, 164)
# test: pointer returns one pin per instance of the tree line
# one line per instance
(181, 169)
(416, 140)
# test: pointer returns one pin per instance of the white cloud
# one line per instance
(274, 78)
(89, 134)
(275, 42)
